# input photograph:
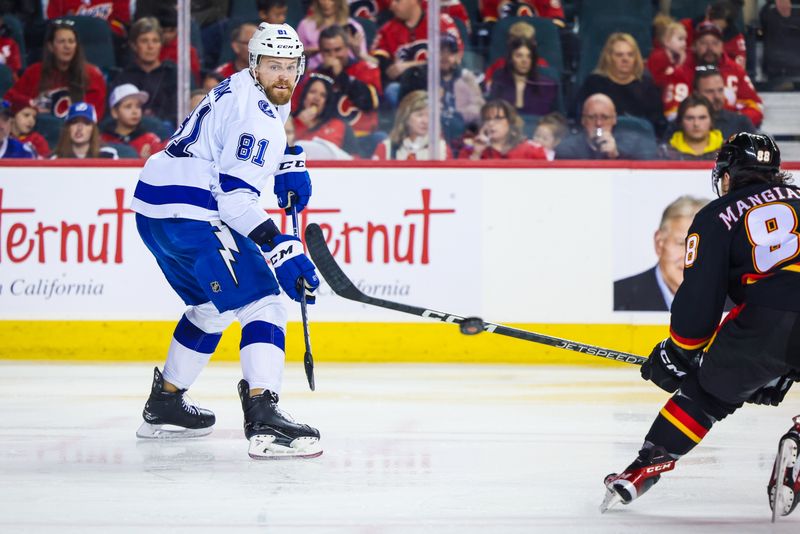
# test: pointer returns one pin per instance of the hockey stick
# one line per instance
(308, 359)
(344, 287)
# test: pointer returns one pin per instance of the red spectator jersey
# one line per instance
(525, 150)
(169, 52)
(37, 143)
(398, 42)
(456, 9)
(551, 9)
(138, 140)
(226, 70)
(116, 12)
(362, 122)
(368, 9)
(9, 54)
(661, 66)
(745, 99)
(334, 131)
(27, 89)
(734, 47)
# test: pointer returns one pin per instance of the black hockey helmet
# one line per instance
(746, 151)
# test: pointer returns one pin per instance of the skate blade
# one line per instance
(263, 447)
(611, 499)
(783, 496)
(150, 431)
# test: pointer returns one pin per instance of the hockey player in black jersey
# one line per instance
(745, 244)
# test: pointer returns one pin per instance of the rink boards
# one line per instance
(538, 247)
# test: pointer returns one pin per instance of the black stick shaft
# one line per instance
(308, 359)
(344, 287)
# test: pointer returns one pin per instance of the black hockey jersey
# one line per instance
(745, 244)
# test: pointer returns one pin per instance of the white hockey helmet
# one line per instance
(276, 40)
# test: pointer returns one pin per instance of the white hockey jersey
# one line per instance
(219, 160)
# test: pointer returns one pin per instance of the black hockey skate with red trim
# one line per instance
(639, 477)
(784, 484)
(273, 434)
(170, 415)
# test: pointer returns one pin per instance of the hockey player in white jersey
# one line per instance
(197, 210)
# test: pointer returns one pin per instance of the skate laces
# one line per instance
(188, 405)
(272, 398)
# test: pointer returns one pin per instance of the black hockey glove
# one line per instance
(668, 365)
(773, 392)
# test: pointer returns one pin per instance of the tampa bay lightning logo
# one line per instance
(263, 106)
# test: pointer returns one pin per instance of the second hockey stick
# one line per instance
(344, 287)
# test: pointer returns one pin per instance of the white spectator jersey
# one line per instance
(219, 160)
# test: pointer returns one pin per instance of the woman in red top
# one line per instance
(62, 77)
(501, 136)
(317, 116)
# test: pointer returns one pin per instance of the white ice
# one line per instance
(408, 448)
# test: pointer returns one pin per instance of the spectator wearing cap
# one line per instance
(10, 147)
(620, 74)
(22, 128)
(520, 82)
(147, 72)
(168, 20)
(696, 137)
(707, 49)
(63, 76)
(723, 14)
(708, 83)
(80, 136)
(240, 37)
(462, 98)
(126, 104)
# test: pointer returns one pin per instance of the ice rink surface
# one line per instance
(408, 448)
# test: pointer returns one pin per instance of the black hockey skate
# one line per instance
(169, 415)
(784, 484)
(272, 433)
(639, 477)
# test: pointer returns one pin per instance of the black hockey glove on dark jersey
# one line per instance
(774, 392)
(668, 365)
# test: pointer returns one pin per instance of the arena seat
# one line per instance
(95, 36)
(6, 79)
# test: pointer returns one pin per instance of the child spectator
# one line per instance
(550, 131)
(669, 55)
(696, 138)
(501, 136)
(273, 11)
(520, 83)
(126, 108)
(10, 147)
(63, 76)
(409, 138)
(22, 125)
(80, 136)
(240, 36)
(9, 51)
(317, 116)
(147, 72)
(324, 13)
(169, 43)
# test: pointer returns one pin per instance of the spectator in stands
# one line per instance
(116, 12)
(724, 15)
(169, 43)
(707, 49)
(654, 289)
(62, 77)
(374, 10)
(196, 97)
(9, 51)
(148, 73)
(780, 25)
(501, 136)
(599, 139)
(288, 128)
(126, 129)
(325, 13)
(620, 75)
(401, 46)
(316, 118)
(22, 128)
(240, 36)
(708, 83)
(492, 10)
(462, 98)
(520, 82)
(550, 131)
(409, 139)
(456, 9)
(80, 136)
(10, 147)
(518, 30)
(273, 11)
(696, 137)
(669, 55)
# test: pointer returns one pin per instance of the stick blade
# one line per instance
(323, 259)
